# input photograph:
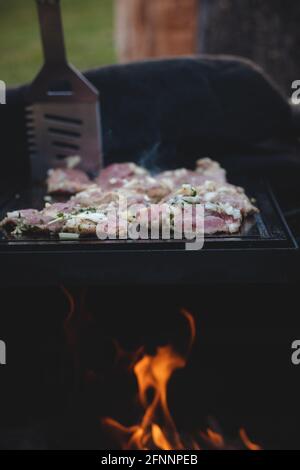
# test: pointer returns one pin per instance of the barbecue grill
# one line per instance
(264, 251)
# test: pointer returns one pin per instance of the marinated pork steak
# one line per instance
(118, 175)
(67, 181)
(206, 170)
(91, 202)
(225, 206)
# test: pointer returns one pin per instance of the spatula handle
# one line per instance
(51, 31)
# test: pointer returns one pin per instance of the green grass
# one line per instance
(88, 26)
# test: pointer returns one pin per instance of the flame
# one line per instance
(215, 438)
(153, 373)
(250, 445)
(157, 429)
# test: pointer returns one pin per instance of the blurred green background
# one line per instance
(88, 26)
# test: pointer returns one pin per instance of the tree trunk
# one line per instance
(155, 28)
(266, 31)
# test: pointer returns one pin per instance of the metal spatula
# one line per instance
(63, 118)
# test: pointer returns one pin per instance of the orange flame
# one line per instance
(157, 429)
(250, 445)
(215, 438)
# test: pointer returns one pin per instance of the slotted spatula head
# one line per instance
(63, 117)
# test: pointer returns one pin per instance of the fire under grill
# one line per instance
(150, 373)
(262, 252)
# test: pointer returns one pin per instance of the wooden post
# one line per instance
(155, 28)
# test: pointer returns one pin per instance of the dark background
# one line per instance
(265, 31)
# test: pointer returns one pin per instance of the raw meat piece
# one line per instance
(225, 205)
(118, 174)
(67, 181)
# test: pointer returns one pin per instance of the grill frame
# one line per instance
(264, 252)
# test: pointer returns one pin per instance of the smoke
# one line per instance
(149, 159)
